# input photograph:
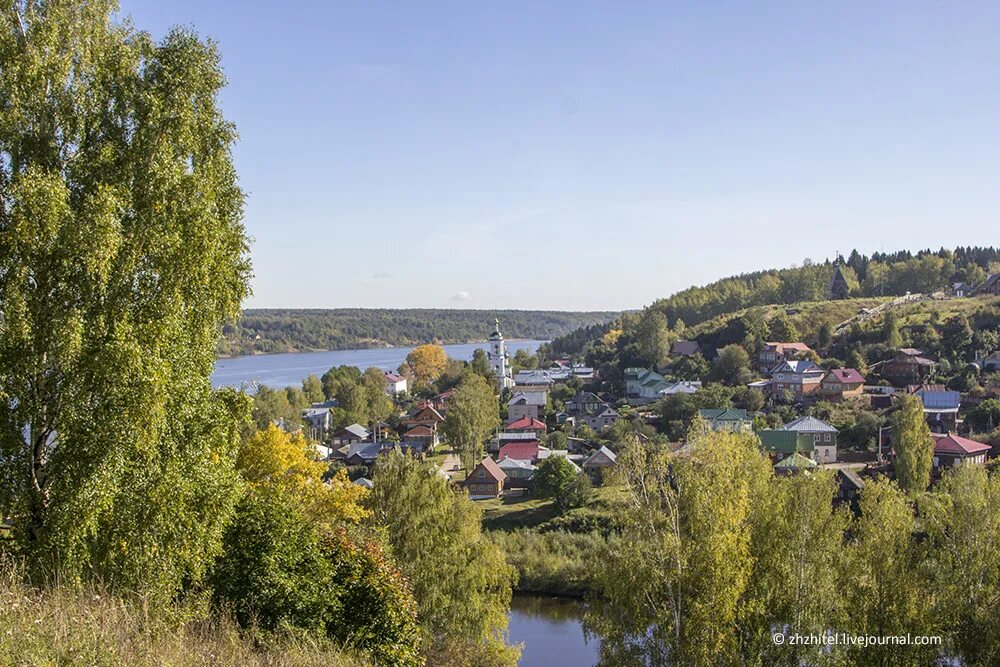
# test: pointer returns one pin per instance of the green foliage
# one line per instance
(781, 329)
(459, 578)
(558, 479)
(277, 569)
(283, 330)
(732, 366)
(913, 445)
(312, 388)
(473, 416)
(122, 253)
(75, 626)
(653, 339)
(552, 562)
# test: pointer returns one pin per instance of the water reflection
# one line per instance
(551, 630)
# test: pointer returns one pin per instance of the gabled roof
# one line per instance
(425, 413)
(365, 482)
(957, 445)
(797, 366)
(514, 464)
(526, 423)
(786, 348)
(586, 397)
(419, 431)
(393, 377)
(794, 462)
(607, 453)
(911, 352)
(852, 478)
(809, 425)
(368, 451)
(528, 398)
(786, 442)
(526, 450)
(847, 376)
(492, 469)
(940, 401)
(356, 430)
(724, 414)
(681, 387)
(991, 280)
(685, 348)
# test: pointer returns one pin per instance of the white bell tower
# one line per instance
(499, 361)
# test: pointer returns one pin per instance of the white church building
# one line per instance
(499, 360)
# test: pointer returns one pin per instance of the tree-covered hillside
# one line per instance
(878, 275)
(274, 330)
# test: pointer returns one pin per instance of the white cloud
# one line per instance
(461, 296)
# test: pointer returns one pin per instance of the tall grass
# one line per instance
(554, 562)
(70, 626)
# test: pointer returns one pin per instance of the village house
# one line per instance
(519, 473)
(440, 402)
(350, 435)
(685, 348)
(486, 480)
(318, 420)
(425, 415)
(649, 385)
(588, 408)
(909, 366)
(940, 408)
(801, 378)
(364, 482)
(360, 453)
(794, 464)
(991, 286)
(988, 363)
(527, 425)
(395, 384)
(824, 437)
(850, 485)
(780, 443)
(772, 353)
(420, 439)
(526, 404)
(599, 461)
(951, 449)
(643, 383)
(727, 419)
(522, 450)
(841, 383)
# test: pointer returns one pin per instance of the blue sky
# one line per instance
(574, 155)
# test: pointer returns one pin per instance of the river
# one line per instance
(282, 370)
(551, 631)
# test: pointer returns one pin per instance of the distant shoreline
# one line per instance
(372, 347)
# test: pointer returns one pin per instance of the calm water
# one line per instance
(282, 370)
(551, 630)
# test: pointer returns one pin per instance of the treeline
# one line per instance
(880, 274)
(286, 330)
(717, 556)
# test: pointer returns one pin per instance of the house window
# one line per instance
(816, 437)
(780, 387)
(481, 474)
(827, 437)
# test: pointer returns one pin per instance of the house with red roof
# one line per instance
(951, 449)
(522, 450)
(394, 383)
(841, 383)
(486, 480)
(421, 438)
(527, 424)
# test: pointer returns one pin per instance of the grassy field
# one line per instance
(512, 512)
(84, 627)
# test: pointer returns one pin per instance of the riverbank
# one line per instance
(286, 369)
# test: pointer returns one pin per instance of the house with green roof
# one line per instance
(727, 419)
(794, 464)
(644, 383)
(784, 443)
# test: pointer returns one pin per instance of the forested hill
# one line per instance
(877, 275)
(282, 330)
